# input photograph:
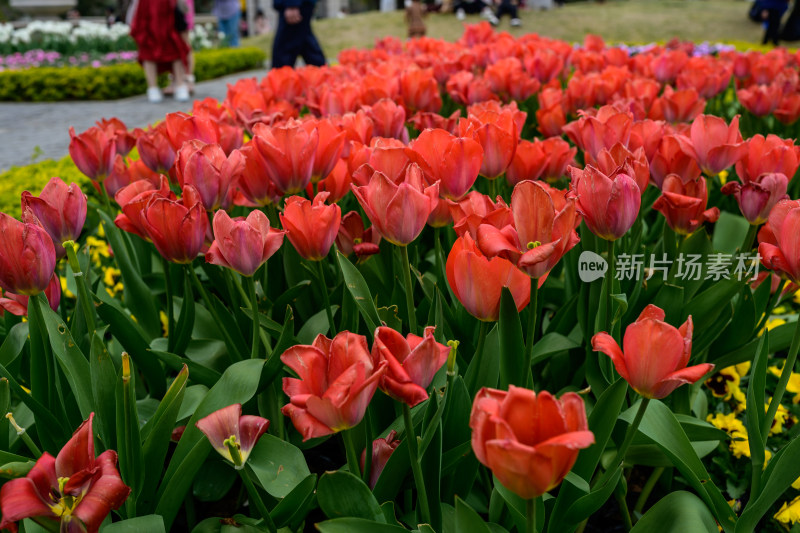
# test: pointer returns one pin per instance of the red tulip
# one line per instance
(542, 232)
(398, 211)
(117, 130)
(760, 100)
(411, 363)
(756, 198)
(243, 245)
(329, 148)
(551, 115)
(177, 227)
(419, 91)
(75, 488)
(311, 226)
(337, 184)
(497, 130)
(672, 158)
(353, 238)
(133, 199)
(647, 134)
(607, 128)
(93, 152)
(155, 150)
(654, 354)
(255, 185)
(634, 164)
(288, 154)
(337, 381)
(714, 144)
(210, 171)
(17, 304)
(60, 209)
(677, 106)
(382, 449)
(422, 121)
(27, 255)
(389, 119)
(477, 281)
(684, 204)
(181, 127)
(535, 160)
(232, 435)
(609, 203)
(392, 161)
(452, 161)
(529, 441)
(768, 155)
(779, 240)
(705, 74)
(788, 110)
(476, 209)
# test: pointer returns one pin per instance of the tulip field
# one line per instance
(496, 285)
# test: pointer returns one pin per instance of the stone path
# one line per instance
(26, 126)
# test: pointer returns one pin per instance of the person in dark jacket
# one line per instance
(294, 36)
(771, 13)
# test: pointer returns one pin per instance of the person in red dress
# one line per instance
(161, 48)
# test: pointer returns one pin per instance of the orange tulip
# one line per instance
(476, 209)
(419, 91)
(766, 155)
(672, 158)
(654, 355)
(452, 161)
(609, 203)
(311, 226)
(398, 211)
(714, 144)
(337, 379)
(177, 227)
(207, 169)
(542, 232)
(329, 148)
(779, 240)
(288, 153)
(477, 281)
(529, 441)
(607, 128)
(389, 119)
(684, 204)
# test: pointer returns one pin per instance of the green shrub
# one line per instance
(47, 84)
(33, 178)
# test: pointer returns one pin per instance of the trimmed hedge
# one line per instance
(47, 84)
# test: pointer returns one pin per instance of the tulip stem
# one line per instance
(416, 469)
(649, 485)
(780, 389)
(626, 443)
(325, 298)
(256, 500)
(609, 297)
(530, 512)
(776, 298)
(412, 314)
(533, 311)
(213, 312)
(251, 285)
(170, 307)
(80, 281)
(747, 245)
(350, 452)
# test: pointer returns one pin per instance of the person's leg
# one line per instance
(283, 53)
(773, 27)
(311, 52)
(151, 76)
(234, 38)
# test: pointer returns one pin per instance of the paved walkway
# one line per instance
(26, 126)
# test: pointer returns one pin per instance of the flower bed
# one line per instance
(240, 341)
(68, 39)
(111, 82)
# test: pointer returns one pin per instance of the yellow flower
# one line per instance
(773, 323)
(101, 231)
(793, 386)
(164, 322)
(98, 249)
(796, 484)
(742, 368)
(725, 384)
(782, 418)
(723, 177)
(789, 513)
(740, 444)
(796, 297)
(64, 290)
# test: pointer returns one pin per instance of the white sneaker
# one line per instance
(182, 93)
(460, 15)
(489, 15)
(516, 22)
(154, 95)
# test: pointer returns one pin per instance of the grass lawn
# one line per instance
(631, 21)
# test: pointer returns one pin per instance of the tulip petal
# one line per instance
(603, 342)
